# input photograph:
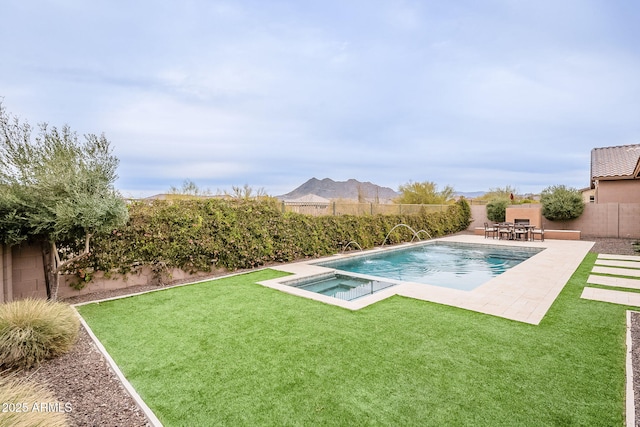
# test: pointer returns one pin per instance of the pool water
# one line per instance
(340, 286)
(453, 265)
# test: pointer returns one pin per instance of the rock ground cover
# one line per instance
(83, 378)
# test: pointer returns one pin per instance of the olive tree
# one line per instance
(560, 203)
(56, 189)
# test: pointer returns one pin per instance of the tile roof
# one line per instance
(620, 161)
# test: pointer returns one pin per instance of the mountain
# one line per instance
(330, 189)
(470, 194)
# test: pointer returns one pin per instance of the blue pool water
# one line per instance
(453, 265)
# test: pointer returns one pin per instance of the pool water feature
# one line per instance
(340, 286)
(460, 266)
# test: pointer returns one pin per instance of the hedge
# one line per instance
(198, 235)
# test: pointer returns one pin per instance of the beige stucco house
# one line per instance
(615, 174)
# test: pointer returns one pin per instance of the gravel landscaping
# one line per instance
(83, 378)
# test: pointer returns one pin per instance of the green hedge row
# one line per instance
(197, 235)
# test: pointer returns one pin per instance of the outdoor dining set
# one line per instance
(513, 231)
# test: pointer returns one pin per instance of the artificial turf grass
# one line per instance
(230, 352)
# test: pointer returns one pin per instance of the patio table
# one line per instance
(510, 230)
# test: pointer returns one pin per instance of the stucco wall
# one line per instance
(617, 191)
(528, 212)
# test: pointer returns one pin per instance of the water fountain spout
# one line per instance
(416, 234)
(352, 242)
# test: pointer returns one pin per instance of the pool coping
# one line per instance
(524, 293)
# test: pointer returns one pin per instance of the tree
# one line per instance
(246, 193)
(189, 188)
(499, 193)
(497, 209)
(560, 203)
(426, 193)
(465, 213)
(56, 190)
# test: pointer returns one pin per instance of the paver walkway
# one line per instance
(619, 266)
(624, 271)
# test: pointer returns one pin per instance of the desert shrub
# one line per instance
(33, 330)
(560, 203)
(18, 397)
(497, 209)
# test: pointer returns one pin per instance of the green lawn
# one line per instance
(231, 352)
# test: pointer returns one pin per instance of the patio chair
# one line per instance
(521, 233)
(537, 232)
(505, 230)
(490, 230)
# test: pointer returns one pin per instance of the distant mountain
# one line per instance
(330, 189)
(470, 194)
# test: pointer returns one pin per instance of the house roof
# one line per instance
(310, 198)
(619, 162)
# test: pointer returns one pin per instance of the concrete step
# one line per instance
(612, 296)
(616, 263)
(620, 257)
(616, 271)
(617, 282)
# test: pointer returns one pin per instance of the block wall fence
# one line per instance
(617, 220)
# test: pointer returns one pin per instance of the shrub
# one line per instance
(465, 213)
(34, 330)
(560, 203)
(497, 209)
(198, 235)
(18, 398)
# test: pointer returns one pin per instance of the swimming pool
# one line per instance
(460, 266)
(523, 293)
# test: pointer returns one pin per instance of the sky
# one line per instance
(476, 95)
